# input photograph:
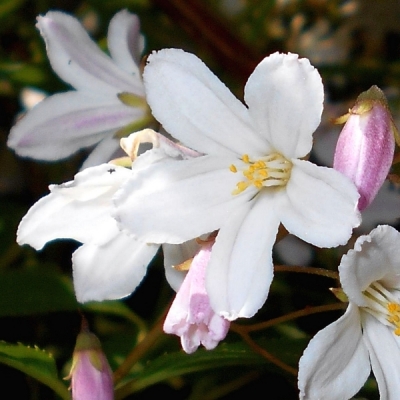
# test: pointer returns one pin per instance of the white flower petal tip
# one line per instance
(191, 316)
(64, 123)
(339, 358)
(365, 147)
(110, 264)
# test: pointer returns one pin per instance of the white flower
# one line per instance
(251, 178)
(111, 263)
(339, 358)
(63, 123)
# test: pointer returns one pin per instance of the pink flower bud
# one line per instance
(191, 316)
(91, 376)
(365, 148)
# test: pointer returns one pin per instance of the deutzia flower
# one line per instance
(111, 263)
(191, 316)
(250, 179)
(109, 93)
(338, 360)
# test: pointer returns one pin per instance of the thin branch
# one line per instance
(146, 344)
(268, 356)
(307, 270)
(288, 317)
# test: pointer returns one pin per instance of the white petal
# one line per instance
(384, 351)
(79, 61)
(108, 149)
(64, 123)
(175, 254)
(285, 96)
(240, 271)
(125, 42)
(110, 271)
(374, 258)
(335, 364)
(175, 201)
(319, 205)
(78, 210)
(195, 107)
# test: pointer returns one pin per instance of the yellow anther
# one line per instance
(246, 158)
(240, 187)
(233, 168)
(258, 183)
(393, 307)
(397, 331)
(271, 170)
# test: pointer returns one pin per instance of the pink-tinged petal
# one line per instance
(112, 270)
(195, 107)
(375, 257)
(191, 316)
(175, 254)
(79, 61)
(67, 122)
(285, 97)
(365, 147)
(125, 42)
(240, 270)
(384, 352)
(319, 205)
(78, 210)
(91, 376)
(335, 363)
(195, 196)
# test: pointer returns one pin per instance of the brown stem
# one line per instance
(307, 270)
(284, 318)
(147, 343)
(205, 28)
(268, 356)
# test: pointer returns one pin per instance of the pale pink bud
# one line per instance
(191, 316)
(365, 148)
(91, 375)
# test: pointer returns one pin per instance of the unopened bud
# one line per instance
(91, 375)
(365, 148)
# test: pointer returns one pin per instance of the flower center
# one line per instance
(272, 170)
(383, 305)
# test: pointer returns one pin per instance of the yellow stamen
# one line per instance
(246, 158)
(394, 317)
(272, 170)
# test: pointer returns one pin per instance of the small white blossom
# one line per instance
(251, 178)
(338, 360)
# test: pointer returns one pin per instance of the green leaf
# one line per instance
(225, 355)
(33, 362)
(24, 74)
(117, 308)
(34, 291)
(9, 6)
